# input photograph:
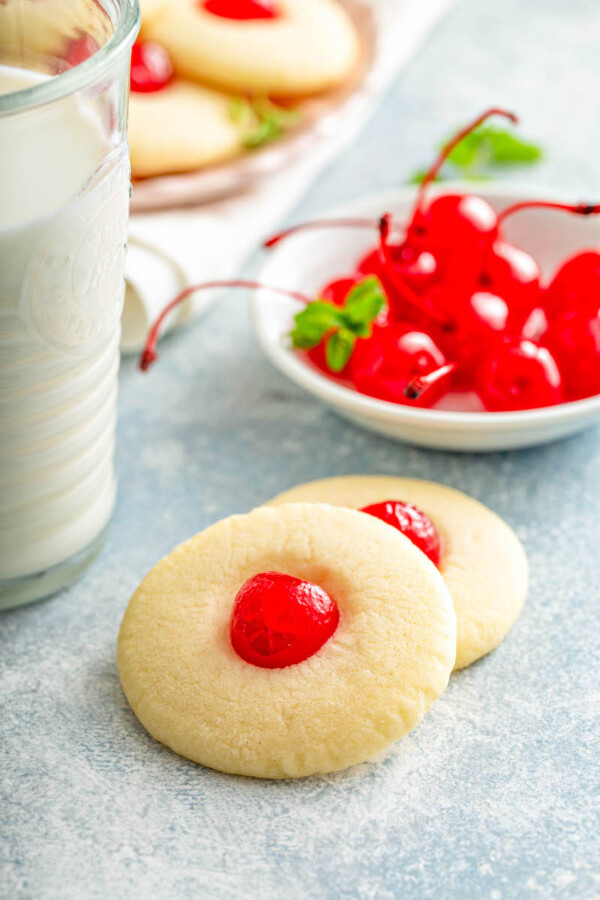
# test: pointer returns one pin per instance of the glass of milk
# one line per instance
(64, 195)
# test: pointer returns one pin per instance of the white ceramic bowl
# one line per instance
(309, 259)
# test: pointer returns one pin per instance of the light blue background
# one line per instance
(496, 794)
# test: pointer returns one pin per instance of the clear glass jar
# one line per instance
(64, 195)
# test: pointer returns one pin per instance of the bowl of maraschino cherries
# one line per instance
(458, 319)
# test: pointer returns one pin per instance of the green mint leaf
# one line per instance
(284, 116)
(507, 149)
(266, 121)
(360, 329)
(418, 176)
(363, 304)
(265, 131)
(240, 111)
(313, 323)
(465, 153)
(488, 145)
(319, 311)
(338, 349)
(308, 337)
(366, 286)
(338, 326)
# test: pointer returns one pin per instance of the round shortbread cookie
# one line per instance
(310, 47)
(180, 128)
(483, 562)
(368, 685)
(150, 10)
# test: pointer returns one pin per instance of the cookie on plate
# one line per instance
(482, 560)
(287, 702)
(305, 47)
(180, 128)
(150, 10)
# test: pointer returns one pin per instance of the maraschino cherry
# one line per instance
(470, 322)
(399, 268)
(514, 374)
(417, 269)
(151, 68)
(515, 275)
(412, 522)
(574, 339)
(383, 365)
(576, 284)
(447, 238)
(466, 238)
(512, 274)
(241, 10)
(406, 273)
(456, 228)
(477, 323)
(279, 620)
(535, 327)
(519, 374)
(465, 308)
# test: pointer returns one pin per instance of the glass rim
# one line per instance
(84, 74)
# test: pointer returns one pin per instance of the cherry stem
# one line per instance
(149, 354)
(319, 223)
(404, 289)
(419, 387)
(580, 209)
(447, 149)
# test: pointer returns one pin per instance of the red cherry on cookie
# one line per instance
(241, 9)
(412, 522)
(519, 374)
(151, 68)
(279, 620)
(383, 365)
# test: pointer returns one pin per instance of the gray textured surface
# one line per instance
(496, 795)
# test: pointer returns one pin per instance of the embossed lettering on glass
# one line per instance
(64, 195)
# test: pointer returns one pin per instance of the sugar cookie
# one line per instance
(310, 46)
(483, 562)
(180, 128)
(368, 685)
(150, 10)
